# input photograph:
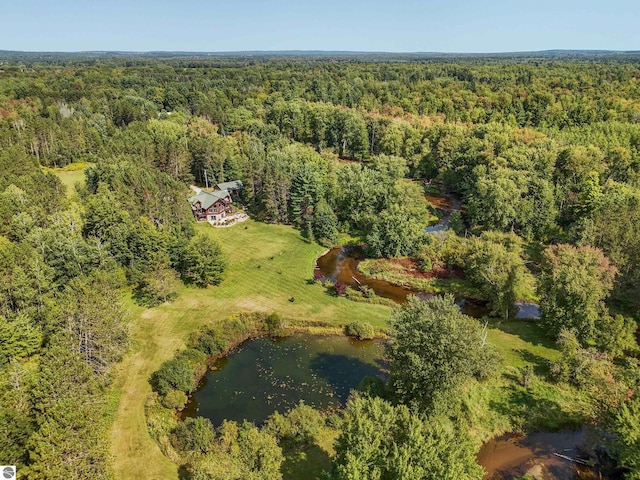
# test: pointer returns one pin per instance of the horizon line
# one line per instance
(319, 51)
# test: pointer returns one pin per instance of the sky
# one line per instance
(461, 26)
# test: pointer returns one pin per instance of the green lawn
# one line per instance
(267, 266)
(522, 343)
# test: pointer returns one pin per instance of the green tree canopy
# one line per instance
(573, 285)
(203, 262)
(380, 441)
(494, 263)
(433, 349)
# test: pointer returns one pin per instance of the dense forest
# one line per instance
(543, 153)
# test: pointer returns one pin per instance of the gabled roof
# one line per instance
(234, 185)
(207, 199)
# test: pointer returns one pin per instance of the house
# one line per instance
(211, 206)
(233, 187)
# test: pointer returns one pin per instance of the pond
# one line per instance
(265, 375)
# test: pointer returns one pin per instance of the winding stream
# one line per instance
(341, 264)
(446, 205)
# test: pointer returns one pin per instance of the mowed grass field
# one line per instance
(267, 266)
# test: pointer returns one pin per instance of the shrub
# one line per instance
(317, 275)
(456, 222)
(193, 356)
(425, 265)
(367, 292)
(301, 426)
(340, 288)
(372, 387)
(175, 374)
(175, 400)
(220, 336)
(360, 330)
(276, 325)
(208, 341)
(194, 435)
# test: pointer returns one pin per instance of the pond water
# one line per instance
(512, 456)
(265, 375)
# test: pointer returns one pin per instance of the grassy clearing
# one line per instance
(70, 175)
(268, 266)
(504, 404)
(310, 463)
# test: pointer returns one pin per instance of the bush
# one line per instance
(456, 222)
(356, 295)
(360, 330)
(175, 400)
(425, 265)
(208, 341)
(173, 375)
(340, 288)
(372, 387)
(367, 292)
(194, 435)
(193, 356)
(219, 337)
(276, 325)
(301, 426)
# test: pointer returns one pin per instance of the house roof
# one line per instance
(234, 185)
(207, 199)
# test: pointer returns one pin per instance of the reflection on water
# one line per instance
(263, 375)
(445, 205)
(341, 264)
(528, 310)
